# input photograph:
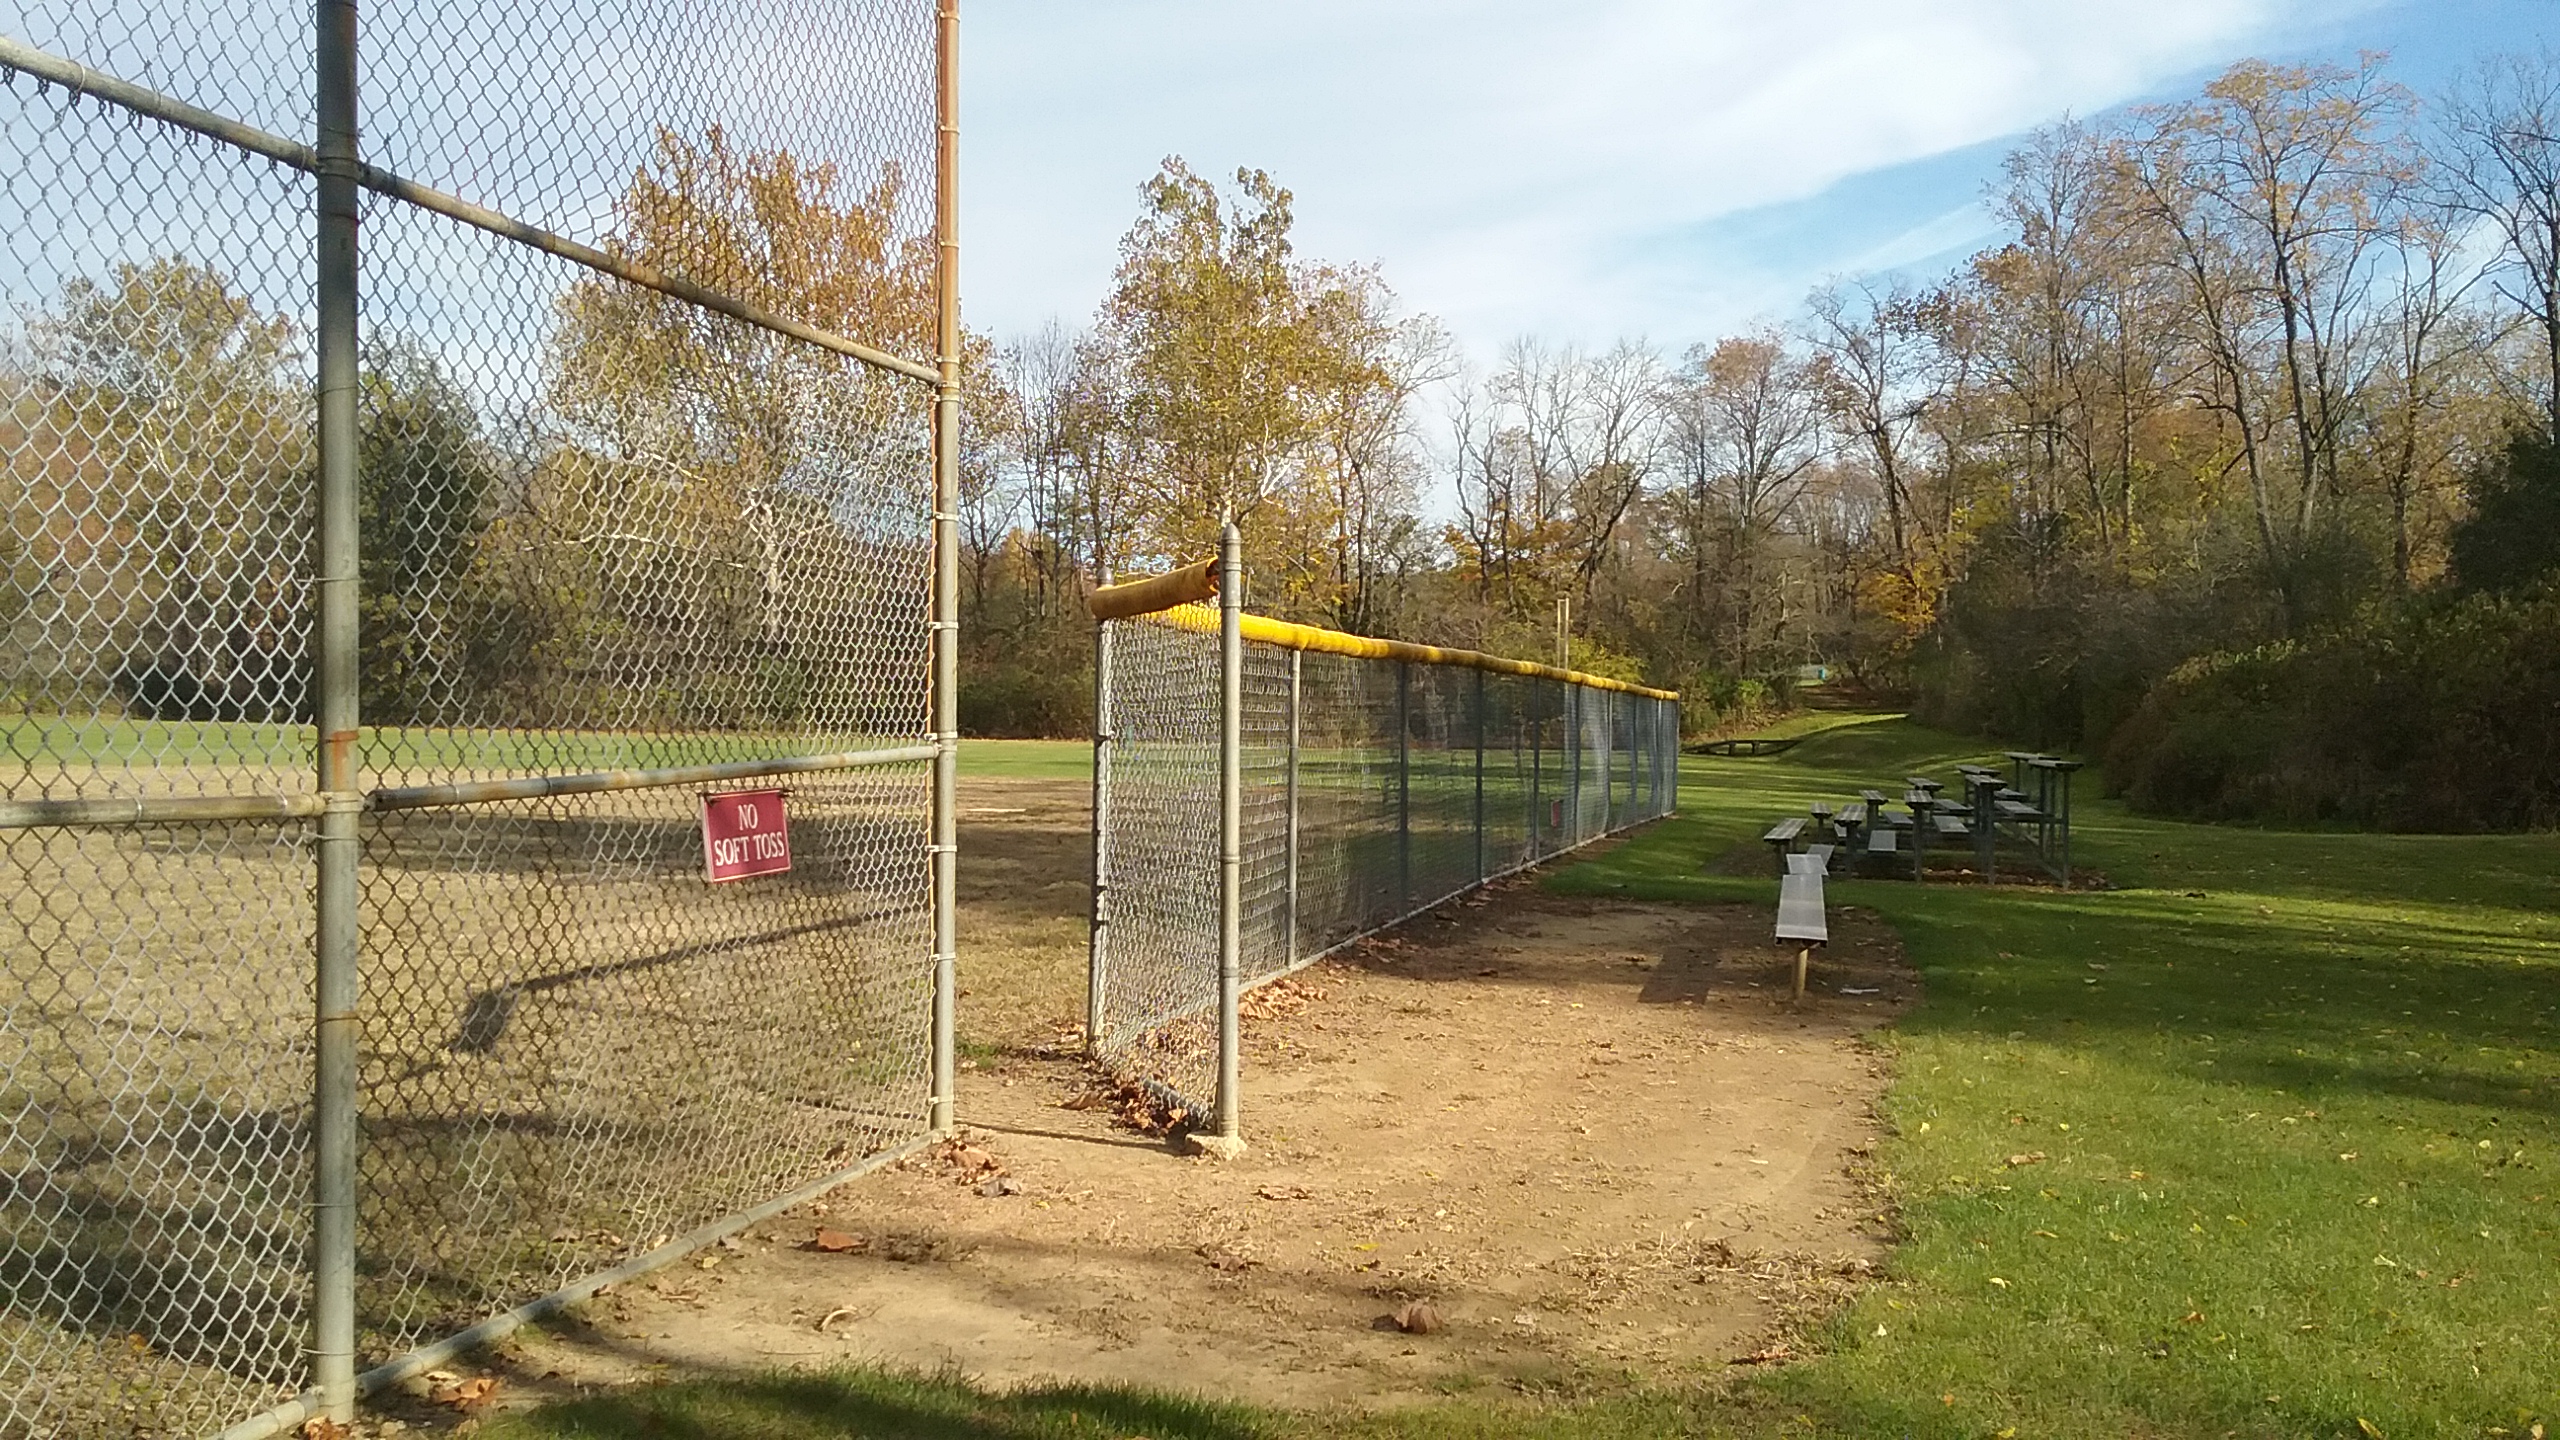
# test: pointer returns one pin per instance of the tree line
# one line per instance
(2247, 420)
(684, 522)
(2241, 372)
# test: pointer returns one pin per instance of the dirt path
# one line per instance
(1594, 1135)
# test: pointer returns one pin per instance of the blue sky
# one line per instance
(1676, 169)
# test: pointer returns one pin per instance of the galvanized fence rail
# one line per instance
(1265, 794)
(422, 484)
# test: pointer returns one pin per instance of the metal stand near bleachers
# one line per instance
(1801, 916)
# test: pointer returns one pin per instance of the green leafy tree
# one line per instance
(426, 483)
(177, 514)
(2512, 536)
(714, 465)
(1214, 346)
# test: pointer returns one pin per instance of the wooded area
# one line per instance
(2225, 401)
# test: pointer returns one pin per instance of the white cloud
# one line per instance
(1521, 166)
(1961, 229)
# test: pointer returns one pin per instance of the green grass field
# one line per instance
(2297, 1103)
(1027, 759)
(44, 741)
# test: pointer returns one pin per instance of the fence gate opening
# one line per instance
(427, 485)
(1352, 782)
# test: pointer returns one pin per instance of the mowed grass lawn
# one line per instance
(2263, 1141)
(1027, 759)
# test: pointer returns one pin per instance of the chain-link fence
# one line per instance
(367, 669)
(1373, 780)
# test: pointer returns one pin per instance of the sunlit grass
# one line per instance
(893, 1405)
(1805, 723)
(1028, 759)
(2288, 1108)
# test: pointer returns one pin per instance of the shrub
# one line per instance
(2438, 714)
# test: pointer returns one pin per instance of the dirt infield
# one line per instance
(1595, 1137)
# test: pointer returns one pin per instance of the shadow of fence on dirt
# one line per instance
(713, 1403)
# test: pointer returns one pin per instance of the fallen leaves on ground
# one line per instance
(972, 1162)
(1278, 1000)
(1132, 1107)
(446, 1388)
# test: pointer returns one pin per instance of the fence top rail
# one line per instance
(1321, 641)
(80, 79)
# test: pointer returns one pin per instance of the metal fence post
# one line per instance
(1666, 757)
(1404, 786)
(1098, 932)
(1608, 753)
(1537, 768)
(1480, 837)
(1230, 1120)
(1289, 896)
(946, 563)
(1573, 762)
(1637, 749)
(337, 987)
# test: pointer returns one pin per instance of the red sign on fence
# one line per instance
(744, 832)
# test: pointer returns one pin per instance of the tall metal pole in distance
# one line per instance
(946, 564)
(1098, 934)
(1289, 896)
(1230, 1117)
(338, 936)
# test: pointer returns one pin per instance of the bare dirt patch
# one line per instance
(1594, 1136)
(1025, 876)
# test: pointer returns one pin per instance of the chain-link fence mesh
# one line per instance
(605, 533)
(1371, 789)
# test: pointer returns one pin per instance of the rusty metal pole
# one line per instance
(338, 929)
(946, 562)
